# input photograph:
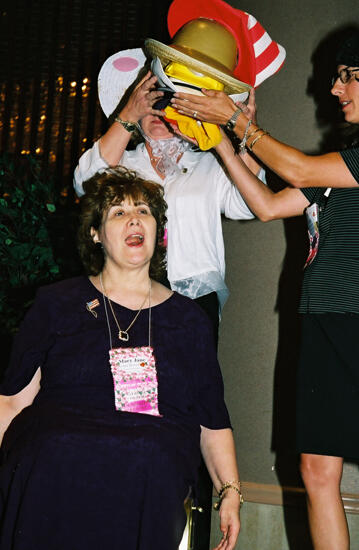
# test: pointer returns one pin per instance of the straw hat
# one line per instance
(205, 47)
(210, 38)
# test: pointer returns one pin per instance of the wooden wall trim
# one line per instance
(262, 493)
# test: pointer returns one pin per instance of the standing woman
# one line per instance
(213, 45)
(328, 376)
(197, 191)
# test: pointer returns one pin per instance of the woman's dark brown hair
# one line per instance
(106, 189)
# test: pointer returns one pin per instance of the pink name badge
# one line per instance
(312, 214)
(135, 380)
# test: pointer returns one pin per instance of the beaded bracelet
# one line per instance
(236, 486)
(242, 145)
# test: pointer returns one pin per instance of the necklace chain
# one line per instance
(123, 334)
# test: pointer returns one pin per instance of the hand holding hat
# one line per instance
(213, 107)
(117, 75)
(142, 100)
(214, 46)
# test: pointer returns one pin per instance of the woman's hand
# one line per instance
(142, 99)
(215, 107)
(250, 108)
(219, 454)
(229, 520)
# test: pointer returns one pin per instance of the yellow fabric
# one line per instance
(207, 135)
(176, 70)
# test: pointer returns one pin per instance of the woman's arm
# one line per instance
(265, 204)
(115, 140)
(219, 454)
(11, 405)
(295, 167)
(250, 110)
(109, 149)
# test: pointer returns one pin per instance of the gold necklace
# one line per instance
(123, 334)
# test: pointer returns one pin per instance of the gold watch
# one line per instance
(128, 126)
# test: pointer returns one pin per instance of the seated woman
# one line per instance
(326, 187)
(112, 393)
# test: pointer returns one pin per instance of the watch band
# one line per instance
(129, 126)
(232, 121)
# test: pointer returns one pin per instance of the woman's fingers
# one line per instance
(147, 81)
(189, 104)
(215, 107)
(251, 106)
(142, 99)
(252, 99)
(222, 543)
(229, 538)
(232, 538)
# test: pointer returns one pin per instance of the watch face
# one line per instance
(230, 124)
(232, 121)
(129, 126)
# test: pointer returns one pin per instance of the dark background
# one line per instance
(51, 53)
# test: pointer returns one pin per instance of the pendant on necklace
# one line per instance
(123, 335)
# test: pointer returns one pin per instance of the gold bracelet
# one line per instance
(236, 486)
(265, 133)
(226, 484)
(254, 132)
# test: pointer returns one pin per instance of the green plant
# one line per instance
(27, 203)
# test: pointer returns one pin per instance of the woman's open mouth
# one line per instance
(136, 239)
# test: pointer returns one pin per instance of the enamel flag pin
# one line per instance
(90, 306)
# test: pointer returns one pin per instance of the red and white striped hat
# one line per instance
(259, 57)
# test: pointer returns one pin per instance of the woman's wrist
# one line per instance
(241, 125)
(128, 116)
(227, 490)
(225, 148)
(233, 497)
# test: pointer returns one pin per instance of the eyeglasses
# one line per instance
(345, 75)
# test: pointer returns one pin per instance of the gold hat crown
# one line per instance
(209, 42)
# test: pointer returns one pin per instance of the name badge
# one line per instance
(312, 214)
(135, 380)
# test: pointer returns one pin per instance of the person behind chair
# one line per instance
(209, 37)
